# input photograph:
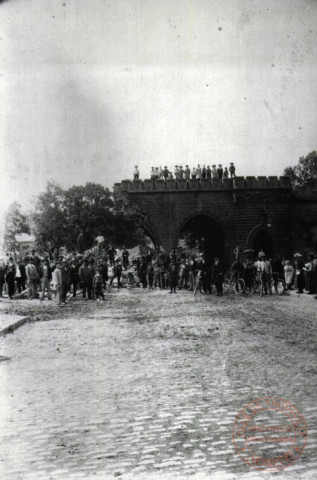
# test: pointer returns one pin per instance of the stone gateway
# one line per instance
(259, 213)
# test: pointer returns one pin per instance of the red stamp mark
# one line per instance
(269, 434)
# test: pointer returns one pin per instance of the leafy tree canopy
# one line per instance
(61, 215)
(15, 223)
(304, 174)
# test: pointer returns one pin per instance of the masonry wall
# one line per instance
(242, 207)
(304, 220)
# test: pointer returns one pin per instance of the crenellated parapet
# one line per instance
(237, 183)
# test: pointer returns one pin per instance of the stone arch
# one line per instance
(263, 237)
(210, 228)
(147, 227)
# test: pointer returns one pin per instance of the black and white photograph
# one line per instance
(158, 239)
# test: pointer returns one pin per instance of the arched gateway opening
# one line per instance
(205, 232)
(263, 238)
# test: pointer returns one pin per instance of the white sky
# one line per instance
(90, 88)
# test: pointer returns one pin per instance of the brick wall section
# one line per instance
(240, 206)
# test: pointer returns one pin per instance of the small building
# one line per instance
(25, 241)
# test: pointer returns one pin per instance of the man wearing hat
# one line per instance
(214, 172)
(266, 273)
(165, 173)
(117, 272)
(309, 274)
(45, 276)
(208, 173)
(187, 172)
(86, 279)
(220, 172)
(36, 260)
(136, 173)
(73, 276)
(65, 281)
(232, 170)
(32, 277)
(299, 273)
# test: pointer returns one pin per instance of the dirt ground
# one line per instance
(148, 384)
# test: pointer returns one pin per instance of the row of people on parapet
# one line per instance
(180, 173)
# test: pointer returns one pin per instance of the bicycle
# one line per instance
(234, 283)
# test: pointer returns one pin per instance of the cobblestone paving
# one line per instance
(147, 385)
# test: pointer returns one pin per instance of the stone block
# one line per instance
(126, 185)
(205, 184)
(171, 184)
(182, 184)
(285, 182)
(137, 185)
(193, 184)
(238, 182)
(262, 182)
(148, 185)
(273, 182)
(117, 187)
(160, 185)
(251, 182)
(216, 184)
(227, 183)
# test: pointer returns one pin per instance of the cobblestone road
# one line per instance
(148, 385)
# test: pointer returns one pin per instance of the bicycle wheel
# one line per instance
(239, 286)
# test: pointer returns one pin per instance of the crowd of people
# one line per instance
(185, 173)
(93, 273)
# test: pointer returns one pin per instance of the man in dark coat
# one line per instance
(299, 272)
(73, 276)
(10, 280)
(111, 252)
(125, 258)
(45, 276)
(65, 281)
(220, 172)
(104, 272)
(173, 276)
(23, 275)
(117, 271)
(218, 276)
(86, 279)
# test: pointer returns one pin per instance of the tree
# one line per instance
(49, 217)
(89, 208)
(304, 174)
(60, 215)
(15, 223)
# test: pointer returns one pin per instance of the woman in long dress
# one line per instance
(288, 274)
